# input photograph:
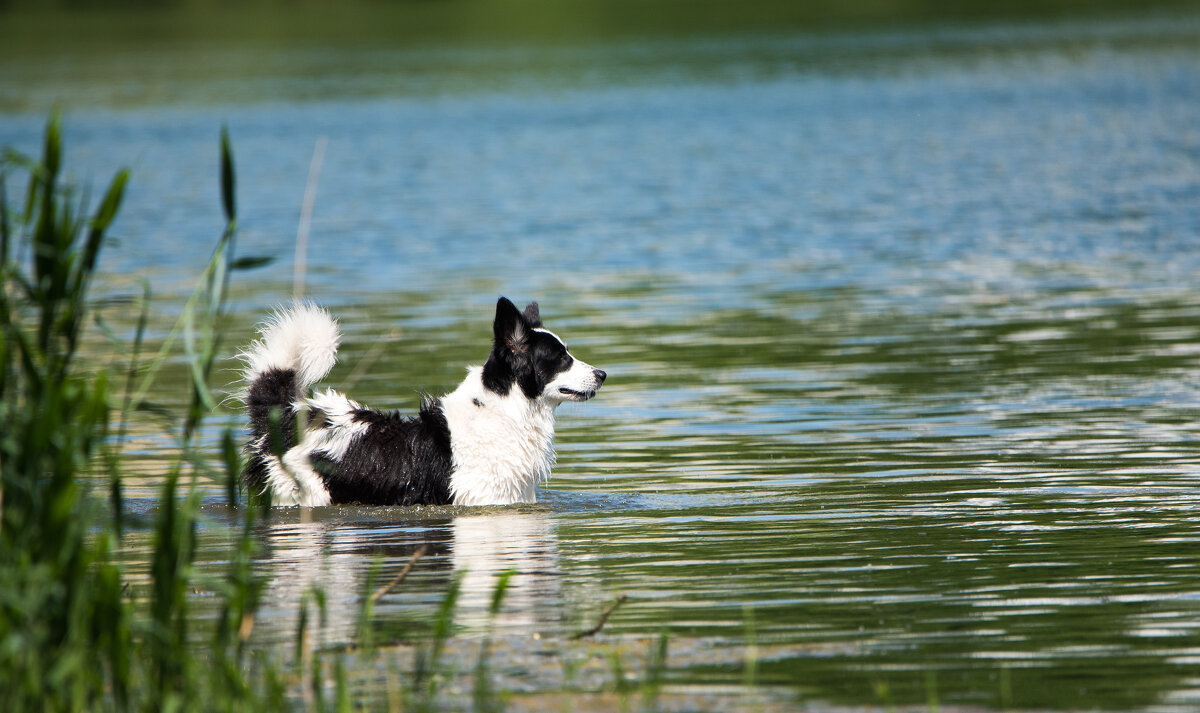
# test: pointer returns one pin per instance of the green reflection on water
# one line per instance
(203, 54)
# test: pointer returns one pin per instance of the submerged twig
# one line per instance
(603, 619)
(400, 577)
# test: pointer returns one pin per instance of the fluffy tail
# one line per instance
(298, 347)
(302, 339)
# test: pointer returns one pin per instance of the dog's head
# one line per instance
(533, 359)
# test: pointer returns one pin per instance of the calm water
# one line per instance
(902, 332)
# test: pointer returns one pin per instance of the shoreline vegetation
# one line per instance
(34, 26)
(73, 636)
(86, 55)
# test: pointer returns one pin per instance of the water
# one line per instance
(901, 332)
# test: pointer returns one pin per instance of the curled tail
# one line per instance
(297, 348)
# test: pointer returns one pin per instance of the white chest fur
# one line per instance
(502, 446)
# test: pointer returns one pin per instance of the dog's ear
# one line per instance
(510, 329)
(532, 318)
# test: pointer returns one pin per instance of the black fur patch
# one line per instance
(274, 390)
(520, 355)
(532, 315)
(397, 461)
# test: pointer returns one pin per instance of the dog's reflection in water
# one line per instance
(326, 550)
(485, 546)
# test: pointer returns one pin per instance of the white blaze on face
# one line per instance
(578, 383)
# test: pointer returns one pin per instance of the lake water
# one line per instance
(902, 332)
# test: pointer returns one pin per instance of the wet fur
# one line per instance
(490, 441)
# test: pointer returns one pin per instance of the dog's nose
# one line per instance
(599, 375)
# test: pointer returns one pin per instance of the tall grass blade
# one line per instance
(656, 667)
(483, 697)
(48, 258)
(103, 218)
(428, 658)
(498, 594)
(5, 224)
(306, 208)
(750, 666)
(228, 198)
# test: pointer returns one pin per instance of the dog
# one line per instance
(488, 442)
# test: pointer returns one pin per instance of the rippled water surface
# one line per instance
(902, 333)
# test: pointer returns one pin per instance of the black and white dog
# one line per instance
(489, 442)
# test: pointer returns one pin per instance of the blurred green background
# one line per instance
(32, 24)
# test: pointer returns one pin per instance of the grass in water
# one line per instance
(71, 638)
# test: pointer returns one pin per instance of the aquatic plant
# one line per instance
(60, 596)
(70, 636)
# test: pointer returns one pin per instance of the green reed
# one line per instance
(60, 596)
(70, 636)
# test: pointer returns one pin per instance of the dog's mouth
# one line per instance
(576, 395)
